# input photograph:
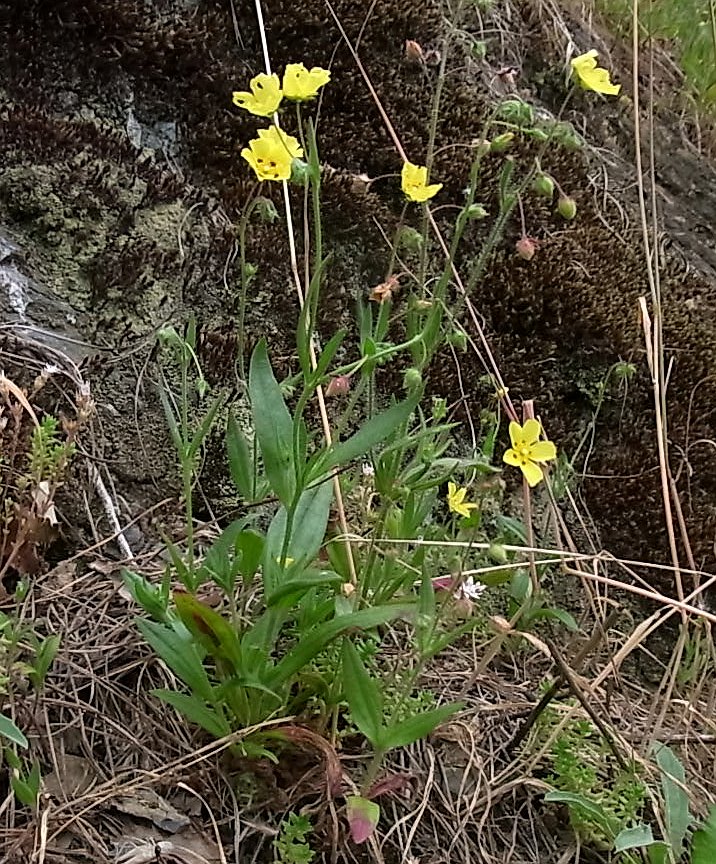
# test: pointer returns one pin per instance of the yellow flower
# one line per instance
(300, 84)
(272, 153)
(264, 98)
(593, 77)
(414, 182)
(527, 450)
(456, 500)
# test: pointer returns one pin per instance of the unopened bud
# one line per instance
(543, 185)
(300, 172)
(410, 239)
(412, 379)
(458, 339)
(567, 207)
(526, 248)
(338, 386)
(266, 210)
(501, 142)
(413, 51)
(497, 553)
(476, 211)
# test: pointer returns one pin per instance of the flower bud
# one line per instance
(476, 211)
(567, 207)
(410, 239)
(412, 379)
(413, 51)
(543, 185)
(526, 247)
(266, 210)
(338, 386)
(501, 142)
(497, 553)
(300, 172)
(250, 270)
(458, 339)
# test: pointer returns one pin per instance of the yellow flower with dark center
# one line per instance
(414, 183)
(456, 500)
(300, 83)
(527, 450)
(264, 98)
(272, 153)
(593, 77)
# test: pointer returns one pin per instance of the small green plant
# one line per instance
(603, 796)
(25, 659)
(293, 844)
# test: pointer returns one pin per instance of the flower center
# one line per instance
(523, 451)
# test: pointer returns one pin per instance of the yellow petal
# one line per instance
(543, 451)
(533, 473)
(585, 61)
(511, 458)
(516, 434)
(531, 431)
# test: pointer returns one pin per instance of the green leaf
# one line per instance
(195, 711)
(703, 850)
(634, 838)
(363, 694)
(179, 651)
(44, 658)
(328, 353)
(313, 642)
(676, 800)
(273, 425)
(372, 432)
(10, 731)
(586, 808)
(205, 426)
(414, 728)
(241, 463)
(560, 615)
(27, 788)
(292, 591)
(154, 599)
(308, 529)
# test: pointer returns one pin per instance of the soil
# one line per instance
(121, 192)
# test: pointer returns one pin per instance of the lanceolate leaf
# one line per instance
(310, 644)
(179, 651)
(372, 432)
(241, 463)
(676, 800)
(704, 846)
(195, 711)
(10, 731)
(363, 695)
(414, 728)
(273, 425)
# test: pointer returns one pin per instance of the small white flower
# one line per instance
(367, 470)
(473, 590)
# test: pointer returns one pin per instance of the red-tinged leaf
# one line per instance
(363, 816)
(391, 783)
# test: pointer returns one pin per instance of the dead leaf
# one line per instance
(74, 776)
(144, 803)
